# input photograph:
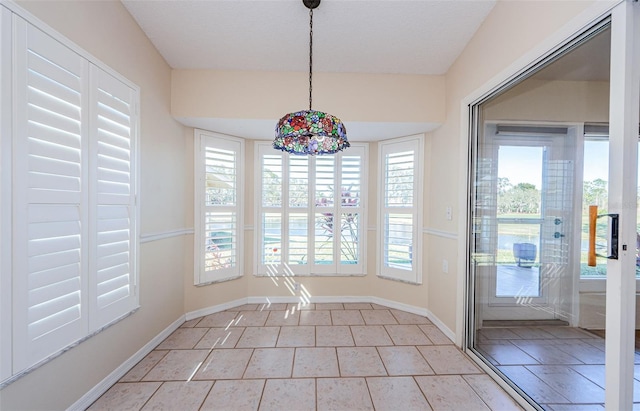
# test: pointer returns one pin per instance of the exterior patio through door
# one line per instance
(528, 221)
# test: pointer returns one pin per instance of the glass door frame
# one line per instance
(624, 118)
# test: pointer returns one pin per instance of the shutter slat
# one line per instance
(106, 275)
(53, 275)
(53, 229)
(53, 120)
(53, 260)
(112, 212)
(113, 175)
(113, 187)
(65, 82)
(107, 237)
(115, 116)
(116, 99)
(47, 102)
(47, 213)
(107, 225)
(53, 166)
(63, 183)
(113, 248)
(40, 297)
(42, 196)
(116, 140)
(58, 153)
(62, 60)
(108, 298)
(44, 133)
(37, 82)
(53, 245)
(112, 260)
(107, 126)
(39, 311)
(109, 151)
(111, 163)
(64, 316)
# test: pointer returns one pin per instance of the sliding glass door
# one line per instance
(559, 138)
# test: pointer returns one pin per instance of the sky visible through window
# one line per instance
(522, 165)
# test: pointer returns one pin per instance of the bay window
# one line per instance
(310, 212)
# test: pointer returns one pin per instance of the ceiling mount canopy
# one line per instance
(310, 132)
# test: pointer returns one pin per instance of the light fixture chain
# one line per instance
(310, 55)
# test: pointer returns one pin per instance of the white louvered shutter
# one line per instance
(112, 198)
(271, 210)
(325, 227)
(220, 214)
(295, 246)
(311, 211)
(400, 209)
(351, 210)
(49, 202)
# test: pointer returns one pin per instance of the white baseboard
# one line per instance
(92, 395)
(416, 310)
(215, 309)
(313, 299)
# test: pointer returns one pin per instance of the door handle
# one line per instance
(593, 218)
(557, 234)
(613, 236)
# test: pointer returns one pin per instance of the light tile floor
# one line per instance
(315, 357)
(559, 367)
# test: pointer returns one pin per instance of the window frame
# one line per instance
(203, 139)
(335, 268)
(387, 147)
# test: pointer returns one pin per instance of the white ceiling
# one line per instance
(356, 36)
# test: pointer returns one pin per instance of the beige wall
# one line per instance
(260, 95)
(511, 30)
(106, 30)
(563, 101)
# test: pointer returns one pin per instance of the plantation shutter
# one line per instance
(48, 193)
(399, 209)
(295, 246)
(326, 231)
(220, 217)
(351, 210)
(272, 171)
(112, 197)
(72, 195)
(311, 211)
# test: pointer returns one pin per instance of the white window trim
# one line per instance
(336, 269)
(413, 276)
(200, 276)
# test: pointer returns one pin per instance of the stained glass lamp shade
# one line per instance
(310, 132)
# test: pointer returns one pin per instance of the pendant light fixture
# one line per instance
(310, 132)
